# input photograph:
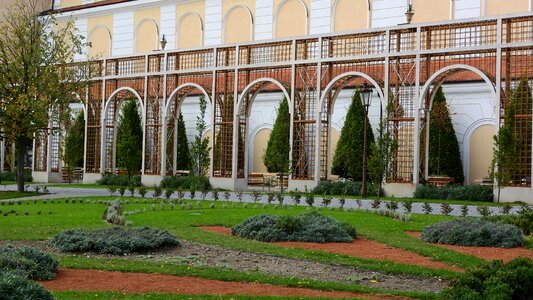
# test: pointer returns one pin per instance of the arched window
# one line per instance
(100, 39)
(190, 31)
(349, 15)
(291, 19)
(146, 36)
(238, 25)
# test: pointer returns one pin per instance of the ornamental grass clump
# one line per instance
(308, 227)
(28, 262)
(114, 240)
(473, 232)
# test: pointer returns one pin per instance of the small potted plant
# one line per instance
(409, 13)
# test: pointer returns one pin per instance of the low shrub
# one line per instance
(200, 183)
(496, 280)
(12, 176)
(309, 227)
(28, 262)
(16, 286)
(348, 187)
(113, 240)
(473, 232)
(523, 220)
(455, 192)
(119, 180)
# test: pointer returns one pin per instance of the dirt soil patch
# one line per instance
(93, 280)
(486, 253)
(196, 254)
(360, 247)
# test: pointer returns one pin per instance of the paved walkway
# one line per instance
(417, 207)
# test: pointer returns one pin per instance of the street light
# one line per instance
(163, 42)
(366, 95)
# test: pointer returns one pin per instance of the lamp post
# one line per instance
(366, 95)
(163, 42)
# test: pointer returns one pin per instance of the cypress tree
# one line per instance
(276, 157)
(74, 145)
(444, 155)
(348, 158)
(183, 157)
(129, 138)
(200, 146)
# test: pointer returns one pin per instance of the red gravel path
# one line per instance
(137, 283)
(359, 247)
(486, 253)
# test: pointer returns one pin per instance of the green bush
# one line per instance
(496, 280)
(200, 183)
(455, 192)
(473, 232)
(16, 286)
(524, 221)
(348, 187)
(28, 262)
(113, 240)
(119, 180)
(309, 227)
(11, 176)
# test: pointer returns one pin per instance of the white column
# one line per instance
(388, 12)
(81, 26)
(123, 35)
(320, 16)
(213, 22)
(263, 19)
(168, 25)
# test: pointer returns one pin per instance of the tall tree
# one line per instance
(183, 157)
(444, 155)
(276, 157)
(200, 146)
(129, 138)
(34, 88)
(74, 145)
(347, 162)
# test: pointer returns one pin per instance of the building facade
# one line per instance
(120, 30)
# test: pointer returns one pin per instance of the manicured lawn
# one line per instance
(13, 195)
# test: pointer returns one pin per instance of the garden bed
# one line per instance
(486, 253)
(360, 247)
(93, 280)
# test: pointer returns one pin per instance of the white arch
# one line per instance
(267, 81)
(180, 20)
(355, 74)
(134, 92)
(108, 33)
(175, 92)
(458, 68)
(280, 6)
(333, 14)
(144, 20)
(82, 106)
(226, 16)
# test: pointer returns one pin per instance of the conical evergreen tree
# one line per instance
(444, 155)
(183, 157)
(276, 157)
(129, 138)
(74, 145)
(348, 159)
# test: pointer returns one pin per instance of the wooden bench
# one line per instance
(255, 179)
(440, 181)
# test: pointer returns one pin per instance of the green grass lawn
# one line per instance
(13, 195)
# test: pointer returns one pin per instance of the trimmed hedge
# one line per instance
(473, 232)
(16, 286)
(348, 187)
(199, 183)
(119, 180)
(11, 176)
(496, 280)
(455, 192)
(309, 227)
(113, 240)
(28, 262)
(524, 221)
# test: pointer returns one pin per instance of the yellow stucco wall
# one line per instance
(69, 3)
(260, 145)
(291, 18)
(430, 11)
(480, 154)
(147, 33)
(500, 7)
(335, 136)
(238, 16)
(349, 15)
(100, 31)
(190, 17)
